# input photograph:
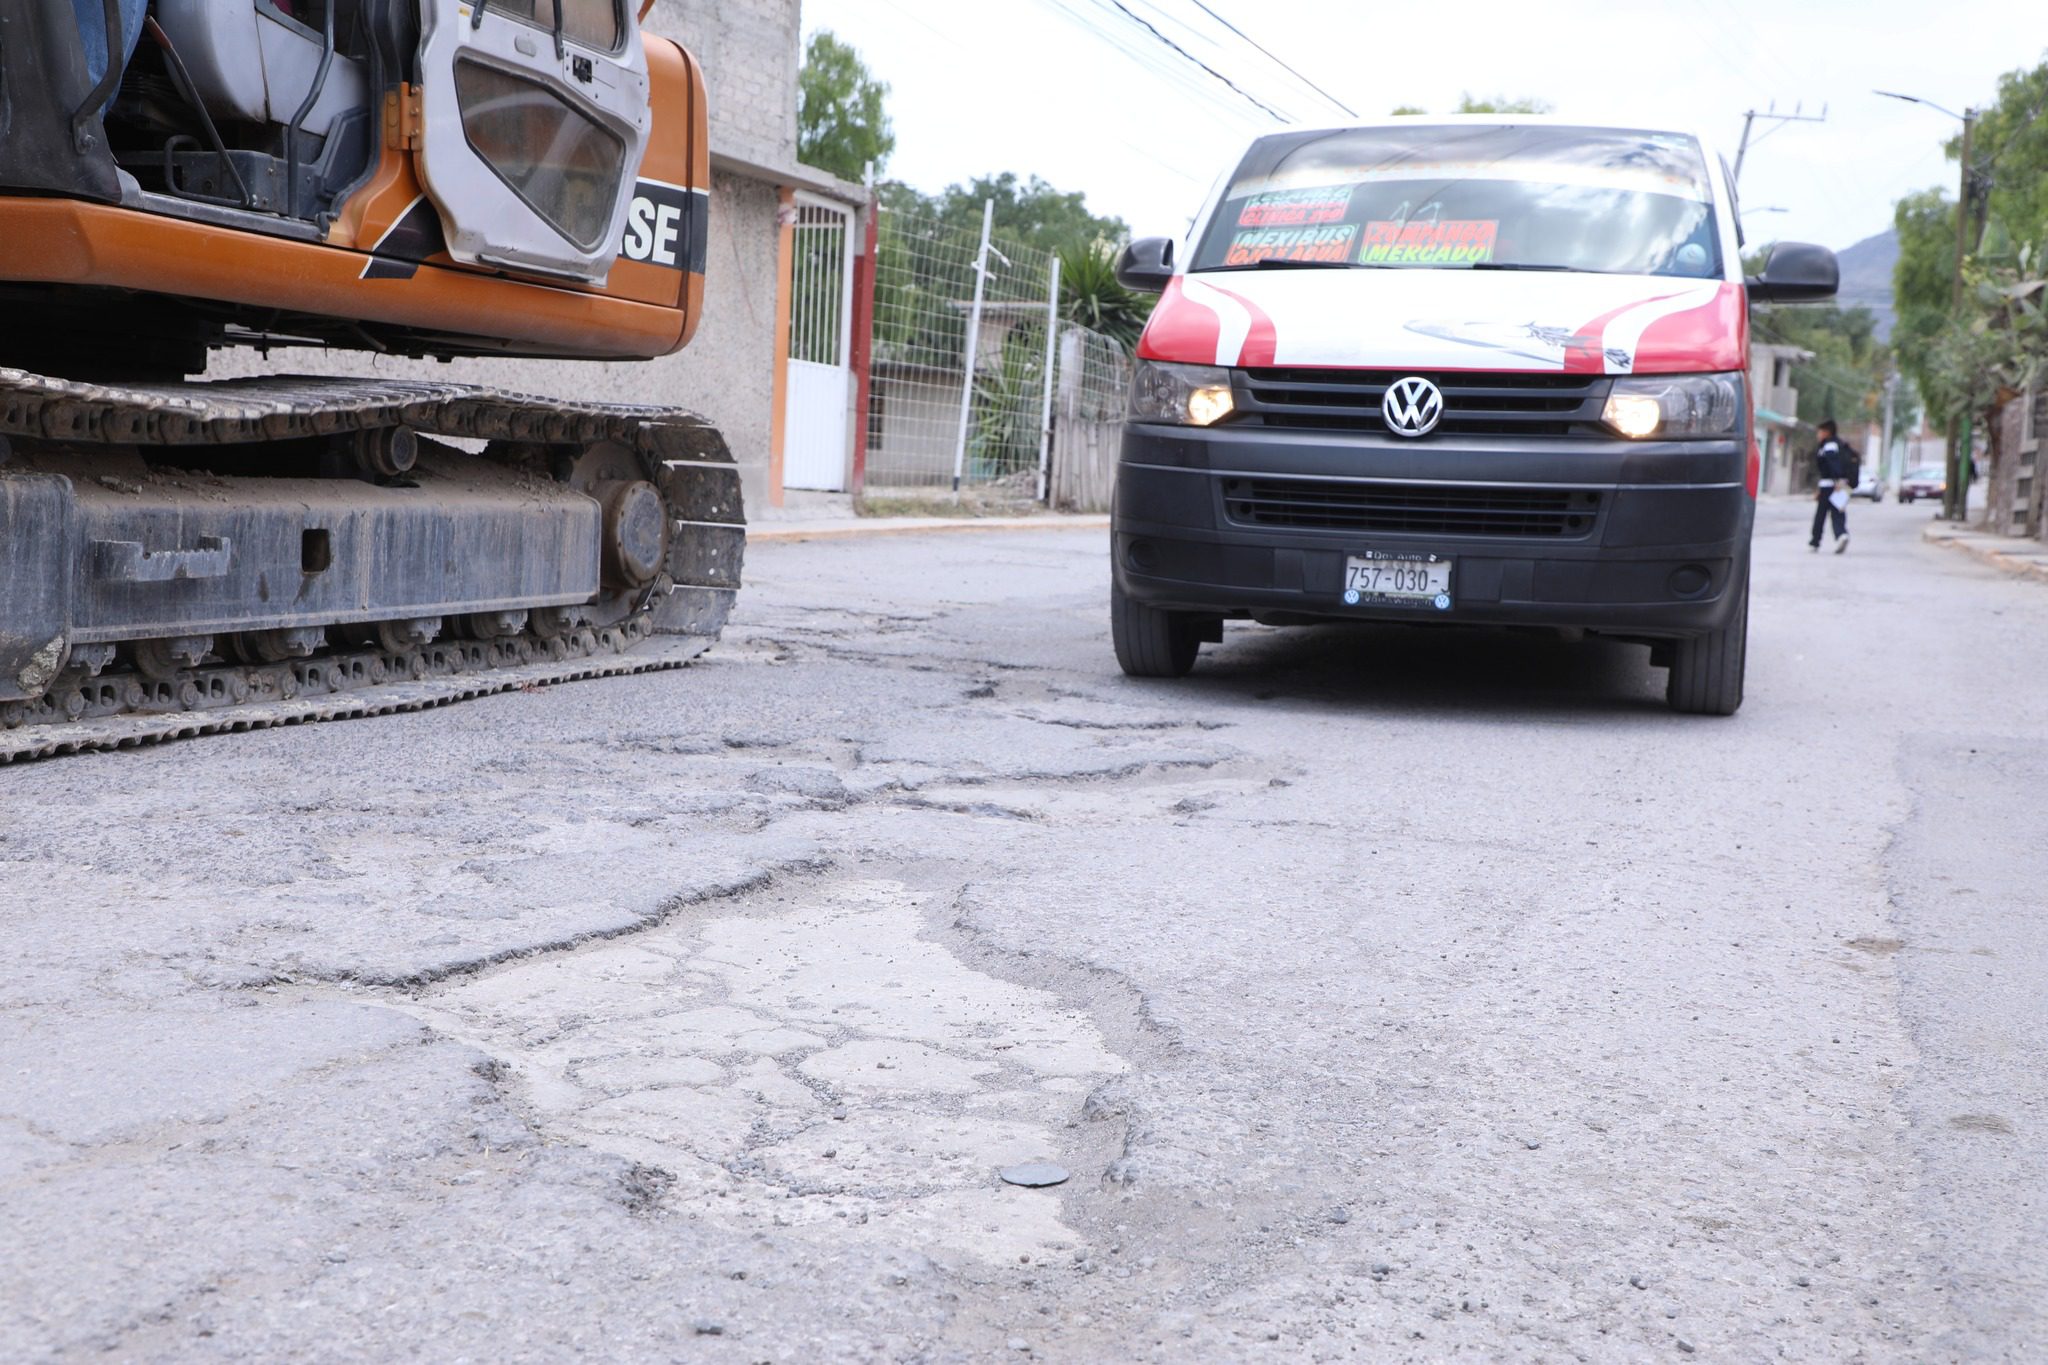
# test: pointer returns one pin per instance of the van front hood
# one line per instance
(1425, 319)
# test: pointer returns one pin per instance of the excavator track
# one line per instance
(96, 697)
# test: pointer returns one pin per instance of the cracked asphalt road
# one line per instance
(1388, 994)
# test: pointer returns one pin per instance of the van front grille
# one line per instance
(1411, 509)
(1543, 405)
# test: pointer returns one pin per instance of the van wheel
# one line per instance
(1706, 670)
(1151, 643)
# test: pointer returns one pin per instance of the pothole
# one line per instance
(826, 1065)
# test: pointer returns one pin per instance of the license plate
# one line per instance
(1402, 579)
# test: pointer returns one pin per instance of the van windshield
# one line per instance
(1462, 197)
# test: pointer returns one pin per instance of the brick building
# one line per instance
(2016, 489)
(735, 369)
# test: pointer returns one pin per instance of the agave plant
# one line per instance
(1091, 296)
(1007, 399)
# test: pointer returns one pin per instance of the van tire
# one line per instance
(1150, 642)
(1706, 670)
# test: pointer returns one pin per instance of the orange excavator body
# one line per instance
(364, 270)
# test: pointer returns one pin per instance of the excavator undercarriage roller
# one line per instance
(220, 549)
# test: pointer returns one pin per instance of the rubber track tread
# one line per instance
(132, 731)
(275, 408)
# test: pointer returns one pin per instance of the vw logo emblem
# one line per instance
(1412, 407)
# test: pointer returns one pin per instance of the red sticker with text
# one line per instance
(1452, 242)
(1296, 208)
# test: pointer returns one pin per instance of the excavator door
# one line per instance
(535, 121)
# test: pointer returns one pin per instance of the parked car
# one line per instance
(1871, 487)
(1928, 481)
(1484, 370)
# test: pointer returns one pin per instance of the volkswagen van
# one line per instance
(1485, 370)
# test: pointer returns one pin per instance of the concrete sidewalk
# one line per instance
(834, 528)
(2015, 555)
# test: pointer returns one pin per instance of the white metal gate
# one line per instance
(820, 333)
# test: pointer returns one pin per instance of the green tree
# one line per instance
(1468, 103)
(842, 125)
(2010, 148)
(1923, 284)
(1957, 358)
(1030, 212)
(1501, 104)
(1845, 379)
(915, 292)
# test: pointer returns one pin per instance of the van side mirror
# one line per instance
(1796, 272)
(1146, 265)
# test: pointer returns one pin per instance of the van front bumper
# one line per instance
(1645, 539)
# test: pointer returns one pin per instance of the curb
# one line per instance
(2029, 563)
(859, 527)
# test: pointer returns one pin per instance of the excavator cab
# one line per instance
(447, 140)
(533, 119)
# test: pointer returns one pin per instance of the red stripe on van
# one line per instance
(1699, 340)
(1181, 331)
(1263, 339)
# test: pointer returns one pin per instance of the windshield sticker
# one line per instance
(1293, 244)
(1451, 242)
(1297, 208)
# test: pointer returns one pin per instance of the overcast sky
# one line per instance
(980, 86)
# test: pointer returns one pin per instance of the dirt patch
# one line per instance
(1982, 1123)
(1877, 947)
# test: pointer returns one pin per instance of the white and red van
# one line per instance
(1487, 370)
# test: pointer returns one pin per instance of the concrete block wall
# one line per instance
(750, 52)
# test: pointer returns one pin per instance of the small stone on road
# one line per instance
(1035, 1174)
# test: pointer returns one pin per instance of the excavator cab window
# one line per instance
(529, 150)
(594, 24)
(563, 164)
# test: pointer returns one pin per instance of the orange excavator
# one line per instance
(418, 178)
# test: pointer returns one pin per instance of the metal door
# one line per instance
(534, 123)
(820, 336)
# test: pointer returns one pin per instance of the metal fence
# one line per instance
(927, 427)
(1091, 383)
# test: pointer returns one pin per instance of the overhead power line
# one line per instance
(1268, 55)
(1186, 55)
(1113, 30)
(1172, 168)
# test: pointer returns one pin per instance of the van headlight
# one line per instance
(1674, 407)
(1185, 395)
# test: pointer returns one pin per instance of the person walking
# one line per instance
(1835, 462)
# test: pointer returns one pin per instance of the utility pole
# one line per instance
(1750, 116)
(1955, 498)
(1884, 449)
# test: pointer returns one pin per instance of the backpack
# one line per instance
(1852, 462)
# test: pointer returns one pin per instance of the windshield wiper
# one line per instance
(1281, 263)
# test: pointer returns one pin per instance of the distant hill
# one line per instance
(1867, 277)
